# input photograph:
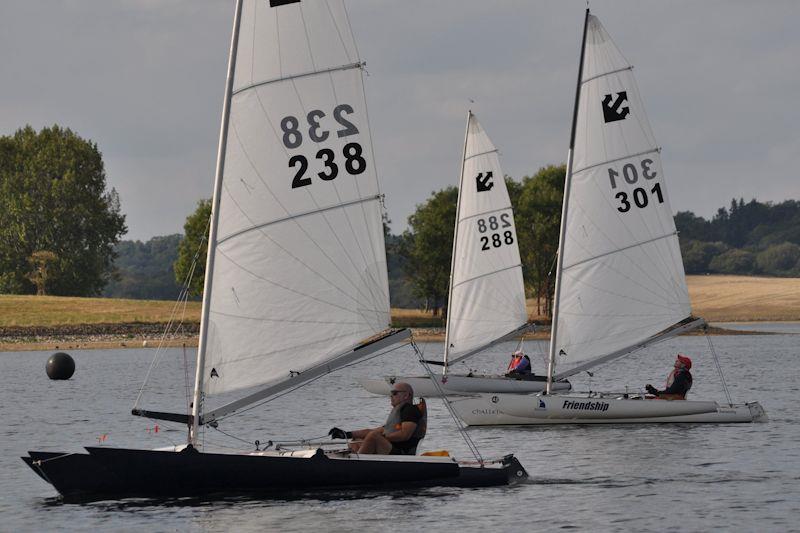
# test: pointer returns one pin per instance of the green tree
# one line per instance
(144, 270)
(427, 247)
(537, 213)
(780, 259)
(697, 255)
(53, 197)
(734, 261)
(191, 262)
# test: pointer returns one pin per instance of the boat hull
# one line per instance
(460, 385)
(118, 472)
(490, 410)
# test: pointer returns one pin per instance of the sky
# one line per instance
(144, 80)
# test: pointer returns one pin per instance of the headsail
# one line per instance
(299, 263)
(621, 273)
(487, 295)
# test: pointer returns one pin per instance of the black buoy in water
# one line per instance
(60, 366)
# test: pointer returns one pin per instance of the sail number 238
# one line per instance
(492, 224)
(293, 137)
(639, 196)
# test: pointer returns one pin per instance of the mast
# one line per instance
(197, 397)
(564, 207)
(455, 241)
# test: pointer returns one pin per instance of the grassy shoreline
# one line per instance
(53, 322)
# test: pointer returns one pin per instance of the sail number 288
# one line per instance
(492, 224)
(293, 136)
(639, 196)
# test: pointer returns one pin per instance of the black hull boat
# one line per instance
(104, 473)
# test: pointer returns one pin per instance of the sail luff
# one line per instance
(564, 209)
(455, 247)
(197, 397)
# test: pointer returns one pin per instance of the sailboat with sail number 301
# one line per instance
(620, 283)
(296, 282)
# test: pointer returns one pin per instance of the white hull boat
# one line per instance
(296, 282)
(490, 410)
(620, 285)
(461, 385)
(486, 295)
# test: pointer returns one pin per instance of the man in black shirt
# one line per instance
(398, 436)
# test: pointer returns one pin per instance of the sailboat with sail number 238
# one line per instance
(296, 281)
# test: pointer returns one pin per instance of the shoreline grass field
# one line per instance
(54, 322)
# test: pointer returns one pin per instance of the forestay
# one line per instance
(487, 296)
(299, 267)
(622, 278)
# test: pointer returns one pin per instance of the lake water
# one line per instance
(649, 477)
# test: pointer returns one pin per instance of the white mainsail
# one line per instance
(299, 266)
(487, 295)
(621, 274)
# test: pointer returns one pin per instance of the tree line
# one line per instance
(61, 229)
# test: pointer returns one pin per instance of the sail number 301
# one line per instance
(639, 196)
(354, 162)
(495, 240)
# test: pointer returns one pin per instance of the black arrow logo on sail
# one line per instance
(276, 3)
(484, 183)
(613, 111)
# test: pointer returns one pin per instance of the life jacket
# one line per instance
(515, 362)
(674, 374)
(393, 422)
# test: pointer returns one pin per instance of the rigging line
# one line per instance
(623, 69)
(612, 252)
(459, 425)
(655, 150)
(719, 367)
(299, 386)
(298, 215)
(297, 224)
(480, 154)
(182, 297)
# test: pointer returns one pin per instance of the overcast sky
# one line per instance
(144, 79)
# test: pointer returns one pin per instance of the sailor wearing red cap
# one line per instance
(678, 383)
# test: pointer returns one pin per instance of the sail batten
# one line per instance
(634, 245)
(297, 76)
(298, 215)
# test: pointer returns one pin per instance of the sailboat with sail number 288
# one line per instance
(296, 282)
(486, 302)
(620, 283)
